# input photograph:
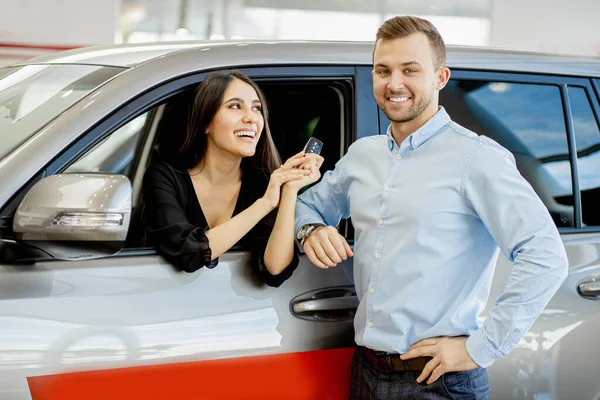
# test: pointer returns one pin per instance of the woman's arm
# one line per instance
(224, 236)
(281, 246)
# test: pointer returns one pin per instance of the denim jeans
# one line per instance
(371, 384)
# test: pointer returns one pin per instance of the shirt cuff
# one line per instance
(307, 221)
(479, 349)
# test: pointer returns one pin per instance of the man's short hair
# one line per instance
(399, 27)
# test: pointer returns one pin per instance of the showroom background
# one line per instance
(33, 27)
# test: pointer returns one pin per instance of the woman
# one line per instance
(228, 185)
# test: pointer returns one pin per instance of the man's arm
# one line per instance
(325, 203)
(525, 233)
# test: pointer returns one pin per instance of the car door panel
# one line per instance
(536, 366)
(132, 311)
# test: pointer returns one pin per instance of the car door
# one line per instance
(550, 124)
(71, 327)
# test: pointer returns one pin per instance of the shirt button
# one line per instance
(416, 142)
(380, 221)
(377, 255)
(371, 290)
(398, 157)
(370, 324)
(386, 188)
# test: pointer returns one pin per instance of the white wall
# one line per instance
(562, 26)
(45, 25)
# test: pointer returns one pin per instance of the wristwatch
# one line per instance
(304, 231)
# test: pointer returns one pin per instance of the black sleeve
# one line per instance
(169, 230)
(259, 239)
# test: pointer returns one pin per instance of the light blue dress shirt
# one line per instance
(430, 218)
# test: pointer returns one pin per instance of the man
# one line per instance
(431, 203)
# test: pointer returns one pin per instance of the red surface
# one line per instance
(318, 375)
(29, 46)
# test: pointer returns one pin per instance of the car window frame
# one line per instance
(157, 95)
(595, 82)
(589, 91)
(562, 82)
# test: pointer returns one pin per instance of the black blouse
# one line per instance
(176, 226)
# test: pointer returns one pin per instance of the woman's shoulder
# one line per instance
(162, 171)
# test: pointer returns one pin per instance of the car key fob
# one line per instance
(313, 145)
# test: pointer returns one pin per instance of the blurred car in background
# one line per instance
(81, 297)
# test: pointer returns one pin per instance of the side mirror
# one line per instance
(75, 216)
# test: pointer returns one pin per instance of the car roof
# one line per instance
(318, 52)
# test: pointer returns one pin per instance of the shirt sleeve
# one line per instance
(327, 201)
(524, 231)
(175, 238)
(259, 238)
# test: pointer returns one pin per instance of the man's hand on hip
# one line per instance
(325, 247)
(449, 355)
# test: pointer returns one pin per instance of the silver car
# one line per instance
(81, 298)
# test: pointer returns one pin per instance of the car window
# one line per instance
(587, 139)
(297, 111)
(33, 95)
(528, 120)
(115, 153)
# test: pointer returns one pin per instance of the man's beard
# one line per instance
(416, 110)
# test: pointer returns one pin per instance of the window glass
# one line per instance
(33, 95)
(587, 139)
(115, 153)
(528, 120)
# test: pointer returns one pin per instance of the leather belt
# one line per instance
(388, 362)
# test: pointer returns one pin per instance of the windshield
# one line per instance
(33, 95)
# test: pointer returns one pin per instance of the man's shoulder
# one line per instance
(368, 143)
(462, 133)
(473, 139)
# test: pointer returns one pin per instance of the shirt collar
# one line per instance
(425, 132)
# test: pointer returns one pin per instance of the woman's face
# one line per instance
(238, 123)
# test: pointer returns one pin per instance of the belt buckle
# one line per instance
(382, 355)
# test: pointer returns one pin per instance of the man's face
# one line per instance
(405, 81)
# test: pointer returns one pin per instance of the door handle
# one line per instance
(590, 289)
(336, 304)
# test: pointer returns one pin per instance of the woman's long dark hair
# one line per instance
(208, 99)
